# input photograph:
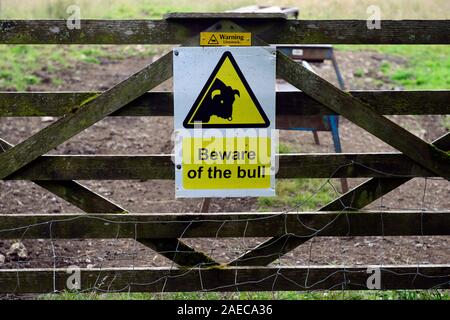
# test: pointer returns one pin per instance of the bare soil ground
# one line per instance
(152, 135)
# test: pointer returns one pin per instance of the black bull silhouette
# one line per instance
(218, 101)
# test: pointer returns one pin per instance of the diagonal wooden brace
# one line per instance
(88, 113)
(357, 198)
(374, 188)
(75, 193)
(357, 111)
(91, 202)
(85, 115)
(335, 99)
(361, 114)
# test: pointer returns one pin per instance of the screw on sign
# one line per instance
(224, 120)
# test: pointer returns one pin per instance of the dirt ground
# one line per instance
(149, 135)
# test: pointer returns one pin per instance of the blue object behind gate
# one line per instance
(318, 53)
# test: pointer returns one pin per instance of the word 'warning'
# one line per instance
(225, 39)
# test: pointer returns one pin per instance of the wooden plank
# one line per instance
(357, 198)
(316, 123)
(88, 113)
(177, 31)
(274, 248)
(365, 193)
(199, 225)
(298, 278)
(178, 252)
(364, 116)
(75, 193)
(91, 202)
(31, 104)
(80, 196)
(95, 32)
(57, 104)
(374, 188)
(269, 251)
(215, 16)
(356, 32)
(406, 102)
(132, 167)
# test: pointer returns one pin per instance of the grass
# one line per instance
(298, 194)
(359, 73)
(446, 122)
(109, 9)
(21, 65)
(309, 9)
(301, 194)
(426, 67)
(279, 295)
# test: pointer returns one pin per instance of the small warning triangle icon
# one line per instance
(226, 100)
(213, 40)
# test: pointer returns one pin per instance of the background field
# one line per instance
(97, 67)
(19, 62)
(310, 9)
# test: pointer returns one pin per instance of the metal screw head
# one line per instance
(176, 52)
(178, 166)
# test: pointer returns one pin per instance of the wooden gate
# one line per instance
(164, 232)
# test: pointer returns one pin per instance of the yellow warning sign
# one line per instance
(226, 100)
(225, 39)
(226, 163)
(224, 121)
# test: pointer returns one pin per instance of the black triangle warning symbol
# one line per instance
(226, 100)
(213, 40)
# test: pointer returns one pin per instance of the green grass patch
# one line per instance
(110, 9)
(446, 122)
(359, 73)
(21, 64)
(385, 67)
(282, 148)
(302, 194)
(426, 67)
(309, 9)
(279, 295)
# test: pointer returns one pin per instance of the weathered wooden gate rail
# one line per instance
(271, 28)
(341, 217)
(132, 167)
(245, 224)
(57, 104)
(226, 279)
